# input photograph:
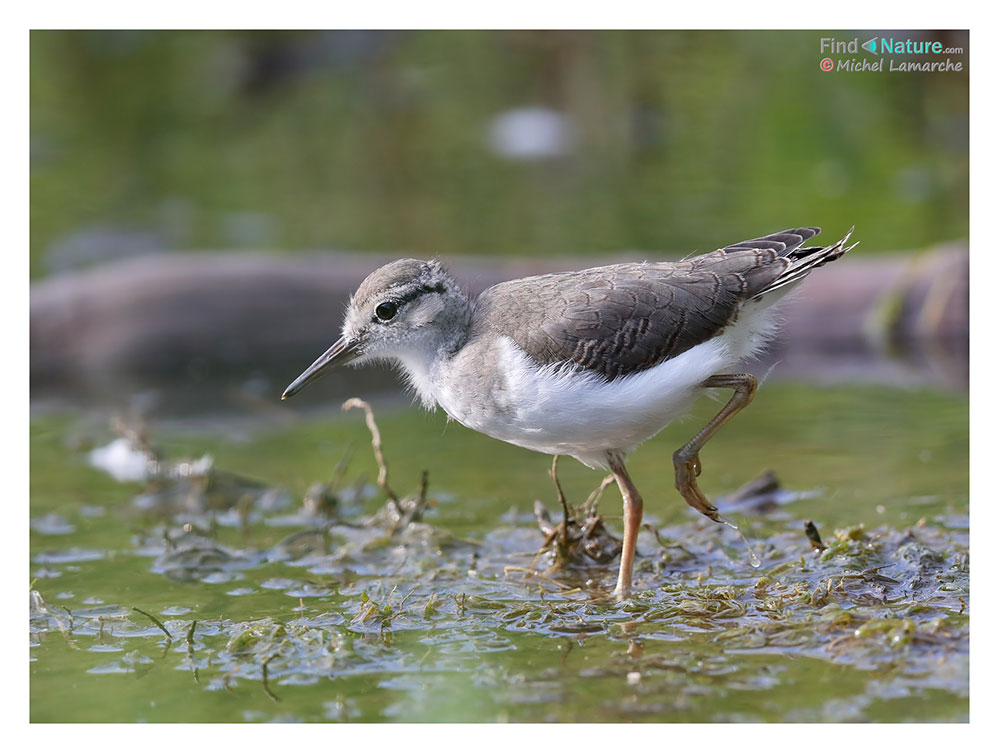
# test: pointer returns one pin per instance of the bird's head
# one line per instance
(404, 310)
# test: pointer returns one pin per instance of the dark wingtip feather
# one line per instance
(784, 243)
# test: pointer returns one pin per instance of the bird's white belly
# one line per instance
(567, 412)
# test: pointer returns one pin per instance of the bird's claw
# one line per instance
(687, 471)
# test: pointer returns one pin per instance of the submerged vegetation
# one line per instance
(376, 607)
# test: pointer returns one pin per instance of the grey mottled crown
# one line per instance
(403, 279)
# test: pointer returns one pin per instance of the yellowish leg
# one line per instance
(686, 460)
(632, 521)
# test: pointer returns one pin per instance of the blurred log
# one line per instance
(214, 323)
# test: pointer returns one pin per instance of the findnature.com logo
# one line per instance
(882, 46)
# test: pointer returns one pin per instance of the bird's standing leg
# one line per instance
(632, 521)
(686, 461)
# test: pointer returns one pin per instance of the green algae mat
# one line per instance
(265, 572)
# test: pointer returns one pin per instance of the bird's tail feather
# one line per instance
(804, 260)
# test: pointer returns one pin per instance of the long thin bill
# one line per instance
(342, 351)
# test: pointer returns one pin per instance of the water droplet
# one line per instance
(753, 559)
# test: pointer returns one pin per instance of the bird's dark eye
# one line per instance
(386, 311)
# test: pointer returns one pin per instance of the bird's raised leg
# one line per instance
(632, 521)
(686, 460)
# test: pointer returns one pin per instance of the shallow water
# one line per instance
(446, 620)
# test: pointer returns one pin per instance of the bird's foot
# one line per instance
(688, 468)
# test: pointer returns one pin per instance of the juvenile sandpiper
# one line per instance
(588, 364)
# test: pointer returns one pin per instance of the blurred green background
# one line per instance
(530, 143)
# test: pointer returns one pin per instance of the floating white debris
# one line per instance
(193, 468)
(123, 461)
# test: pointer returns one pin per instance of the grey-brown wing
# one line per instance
(625, 318)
